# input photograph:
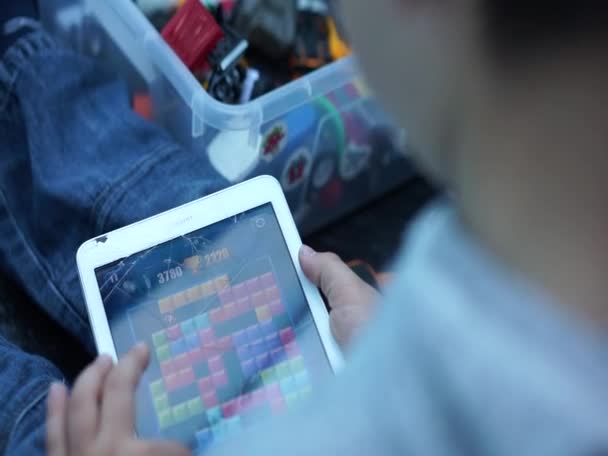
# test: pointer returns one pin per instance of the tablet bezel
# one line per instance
(183, 220)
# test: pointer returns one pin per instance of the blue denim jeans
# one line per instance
(75, 161)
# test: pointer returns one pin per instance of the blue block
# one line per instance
(253, 333)
(187, 327)
(266, 328)
(204, 439)
(240, 338)
(288, 385)
(258, 347)
(263, 362)
(278, 356)
(178, 347)
(273, 341)
(192, 341)
(201, 321)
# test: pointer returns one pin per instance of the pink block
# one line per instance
(216, 364)
(219, 379)
(277, 405)
(174, 332)
(244, 403)
(243, 305)
(172, 382)
(217, 315)
(292, 350)
(287, 335)
(240, 291)
(186, 376)
(258, 397)
(258, 299)
(267, 280)
(276, 307)
(272, 293)
(225, 295)
(168, 368)
(196, 356)
(230, 311)
(210, 399)
(273, 391)
(229, 409)
(206, 336)
(205, 385)
(211, 350)
(181, 361)
(224, 344)
(253, 285)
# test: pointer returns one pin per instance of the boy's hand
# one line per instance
(352, 301)
(98, 417)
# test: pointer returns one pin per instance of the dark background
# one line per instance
(372, 234)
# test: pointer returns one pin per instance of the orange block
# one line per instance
(180, 300)
(166, 305)
(194, 294)
(221, 282)
(207, 289)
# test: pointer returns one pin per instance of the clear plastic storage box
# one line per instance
(323, 136)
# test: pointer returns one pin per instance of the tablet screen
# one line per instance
(231, 334)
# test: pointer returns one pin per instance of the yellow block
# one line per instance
(207, 289)
(180, 300)
(166, 305)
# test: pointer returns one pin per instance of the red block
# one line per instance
(172, 382)
(205, 385)
(230, 311)
(292, 350)
(273, 293)
(142, 105)
(217, 315)
(174, 332)
(243, 305)
(258, 397)
(181, 362)
(168, 368)
(267, 280)
(244, 403)
(253, 285)
(287, 336)
(277, 405)
(229, 409)
(196, 356)
(206, 337)
(258, 299)
(216, 364)
(193, 33)
(210, 399)
(186, 376)
(276, 307)
(224, 344)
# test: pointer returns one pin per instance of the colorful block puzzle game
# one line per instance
(225, 319)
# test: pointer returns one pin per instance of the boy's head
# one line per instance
(446, 67)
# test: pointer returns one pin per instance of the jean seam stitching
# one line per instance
(39, 397)
(38, 264)
(116, 191)
(34, 43)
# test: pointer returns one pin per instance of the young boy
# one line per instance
(493, 338)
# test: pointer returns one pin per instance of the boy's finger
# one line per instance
(336, 280)
(160, 449)
(118, 403)
(83, 406)
(56, 432)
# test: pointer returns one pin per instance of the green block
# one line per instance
(159, 338)
(297, 364)
(283, 370)
(201, 321)
(165, 419)
(163, 353)
(188, 327)
(157, 388)
(195, 407)
(268, 376)
(305, 392)
(214, 415)
(161, 402)
(288, 386)
(302, 379)
(292, 399)
(180, 412)
(233, 424)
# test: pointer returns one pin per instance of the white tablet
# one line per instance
(236, 331)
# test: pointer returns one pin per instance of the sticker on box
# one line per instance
(297, 170)
(274, 141)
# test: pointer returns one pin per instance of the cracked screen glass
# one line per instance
(231, 335)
